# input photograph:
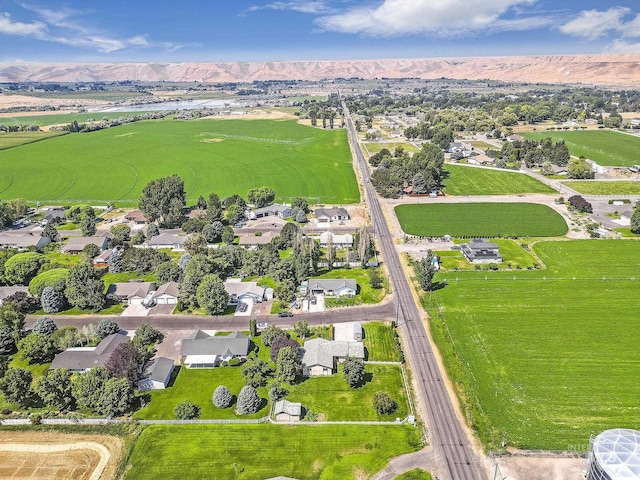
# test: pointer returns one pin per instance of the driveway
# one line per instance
(170, 346)
(136, 310)
(162, 309)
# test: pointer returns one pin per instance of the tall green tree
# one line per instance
(55, 389)
(635, 219)
(287, 365)
(261, 197)
(164, 199)
(212, 296)
(425, 271)
(84, 289)
(16, 385)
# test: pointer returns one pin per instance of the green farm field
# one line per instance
(484, 181)
(603, 146)
(14, 139)
(62, 118)
(222, 156)
(625, 187)
(256, 452)
(481, 220)
(545, 357)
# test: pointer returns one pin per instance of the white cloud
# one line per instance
(593, 24)
(434, 17)
(622, 46)
(9, 27)
(631, 29)
(314, 7)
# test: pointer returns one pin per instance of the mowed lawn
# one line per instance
(381, 343)
(256, 452)
(546, 360)
(481, 220)
(603, 146)
(334, 400)
(484, 181)
(222, 156)
(625, 187)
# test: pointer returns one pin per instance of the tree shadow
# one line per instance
(435, 286)
(368, 377)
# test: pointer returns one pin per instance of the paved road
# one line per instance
(447, 435)
(385, 311)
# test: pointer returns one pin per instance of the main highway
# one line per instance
(447, 435)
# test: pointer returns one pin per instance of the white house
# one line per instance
(331, 287)
(328, 215)
(157, 374)
(240, 291)
(22, 241)
(274, 210)
(167, 240)
(338, 240)
(133, 293)
(167, 294)
(285, 411)
(321, 357)
(201, 350)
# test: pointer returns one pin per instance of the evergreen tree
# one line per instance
(248, 401)
(222, 397)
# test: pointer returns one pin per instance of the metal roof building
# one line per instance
(615, 455)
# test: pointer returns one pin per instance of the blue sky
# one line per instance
(268, 30)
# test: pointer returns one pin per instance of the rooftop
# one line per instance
(618, 453)
(201, 343)
(86, 358)
(320, 351)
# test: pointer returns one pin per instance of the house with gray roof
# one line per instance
(274, 210)
(8, 291)
(54, 215)
(83, 359)
(479, 250)
(167, 240)
(76, 244)
(285, 411)
(328, 215)
(157, 374)
(252, 240)
(201, 350)
(167, 294)
(331, 287)
(321, 357)
(246, 291)
(130, 292)
(23, 240)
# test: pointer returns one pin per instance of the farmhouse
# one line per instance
(82, 359)
(201, 350)
(8, 291)
(338, 241)
(54, 215)
(23, 241)
(328, 215)
(248, 292)
(167, 240)
(133, 293)
(274, 210)
(285, 411)
(321, 357)
(167, 294)
(479, 250)
(331, 287)
(157, 374)
(76, 244)
(136, 216)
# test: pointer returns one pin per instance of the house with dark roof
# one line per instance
(321, 357)
(331, 287)
(157, 374)
(201, 350)
(130, 292)
(479, 250)
(82, 359)
(285, 411)
(8, 291)
(23, 240)
(328, 215)
(76, 245)
(136, 216)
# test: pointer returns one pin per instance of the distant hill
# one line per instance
(615, 70)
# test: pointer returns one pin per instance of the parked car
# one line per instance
(243, 307)
(262, 325)
(285, 314)
(313, 301)
(239, 224)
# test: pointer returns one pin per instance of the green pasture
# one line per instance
(366, 294)
(594, 187)
(605, 147)
(14, 139)
(381, 343)
(545, 358)
(485, 181)
(391, 146)
(334, 400)
(62, 118)
(222, 156)
(480, 220)
(256, 452)
(514, 257)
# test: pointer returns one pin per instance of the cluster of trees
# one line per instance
(440, 134)
(423, 171)
(425, 271)
(536, 153)
(579, 169)
(92, 126)
(635, 219)
(579, 203)
(107, 390)
(11, 211)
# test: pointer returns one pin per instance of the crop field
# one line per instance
(483, 181)
(62, 118)
(14, 139)
(256, 452)
(481, 220)
(603, 146)
(222, 156)
(545, 357)
(626, 187)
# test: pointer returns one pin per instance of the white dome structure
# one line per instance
(615, 455)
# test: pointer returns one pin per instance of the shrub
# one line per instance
(580, 204)
(222, 397)
(277, 392)
(45, 326)
(234, 362)
(51, 300)
(384, 404)
(187, 410)
(107, 327)
(248, 401)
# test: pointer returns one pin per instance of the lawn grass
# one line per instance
(14, 139)
(256, 452)
(591, 187)
(514, 256)
(222, 156)
(544, 361)
(198, 385)
(64, 259)
(483, 145)
(376, 147)
(415, 474)
(366, 294)
(380, 342)
(481, 220)
(484, 181)
(334, 400)
(123, 277)
(605, 147)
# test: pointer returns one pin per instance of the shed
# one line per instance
(157, 374)
(286, 411)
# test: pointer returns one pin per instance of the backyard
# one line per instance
(486, 181)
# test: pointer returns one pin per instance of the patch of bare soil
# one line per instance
(55, 455)
(542, 468)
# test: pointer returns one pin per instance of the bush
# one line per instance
(107, 327)
(222, 397)
(234, 362)
(45, 326)
(353, 371)
(187, 410)
(51, 300)
(580, 204)
(384, 404)
(248, 401)
(56, 278)
(277, 392)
